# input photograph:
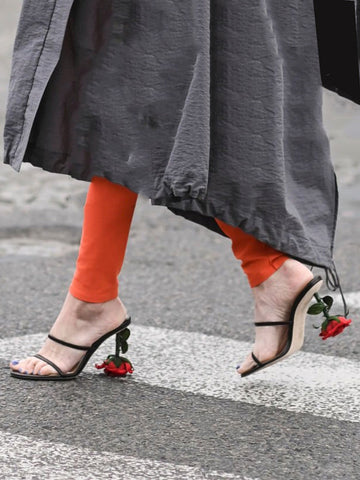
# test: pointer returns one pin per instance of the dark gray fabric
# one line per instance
(213, 109)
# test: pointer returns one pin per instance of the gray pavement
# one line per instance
(177, 276)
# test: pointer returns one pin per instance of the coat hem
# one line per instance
(203, 214)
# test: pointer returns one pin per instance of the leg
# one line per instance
(92, 306)
(275, 280)
(108, 214)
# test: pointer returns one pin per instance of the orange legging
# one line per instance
(108, 213)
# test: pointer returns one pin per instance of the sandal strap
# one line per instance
(268, 324)
(67, 344)
(49, 362)
(256, 359)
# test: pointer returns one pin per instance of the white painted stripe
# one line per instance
(35, 247)
(352, 300)
(321, 385)
(23, 457)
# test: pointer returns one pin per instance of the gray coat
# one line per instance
(213, 109)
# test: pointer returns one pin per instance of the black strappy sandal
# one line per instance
(79, 367)
(296, 325)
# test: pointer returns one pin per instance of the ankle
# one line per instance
(291, 274)
(275, 295)
(90, 310)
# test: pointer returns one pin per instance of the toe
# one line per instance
(18, 366)
(247, 364)
(38, 366)
(30, 365)
(46, 369)
(43, 368)
(14, 364)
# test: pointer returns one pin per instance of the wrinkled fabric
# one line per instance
(212, 109)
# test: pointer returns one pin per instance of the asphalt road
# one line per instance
(184, 414)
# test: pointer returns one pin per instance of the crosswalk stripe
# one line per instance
(321, 385)
(24, 457)
(352, 301)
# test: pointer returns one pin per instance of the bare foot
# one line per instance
(79, 322)
(273, 301)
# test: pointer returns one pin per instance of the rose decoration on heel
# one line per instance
(117, 365)
(332, 325)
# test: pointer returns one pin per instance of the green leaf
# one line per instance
(334, 317)
(324, 325)
(124, 346)
(117, 362)
(315, 309)
(125, 334)
(329, 301)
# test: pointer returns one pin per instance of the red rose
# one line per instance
(112, 370)
(334, 327)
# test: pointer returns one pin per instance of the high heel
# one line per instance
(60, 375)
(296, 323)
